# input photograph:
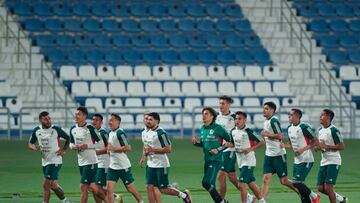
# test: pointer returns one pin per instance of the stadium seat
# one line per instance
(253, 72)
(167, 121)
(124, 72)
(23, 9)
(80, 89)
(42, 9)
(76, 56)
(252, 104)
(187, 120)
(141, 41)
(102, 41)
(205, 26)
(354, 57)
(94, 105)
(117, 88)
(214, 10)
(53, 25)
(197, 41)
(27, 121)
(149, 25)
(326, 10)
(215, 41)
(99, 88)
(348, 72)
(338, 57)
(289, 102)
(259, 121)
(157, 10)
(161, 72)
(83, 41)
(281, 88)
(344, 10)
(81, 9)
(338, 26)
(127, 121)
(130, 26)
(33, 25)
(14, 104)
(216, 73)
(209, 89)
(154, 89)
(349, 42)
(190, 88)
(187, 25)
(328, 41)
(227, 88)
(111, 25)
(143, 72)
(120, 10)
(178, 41)
(105, 72)
(188, 57)
(168, 25)
(92, 25)
(195, 10)
(243, 26)
(159, 41)
(198, 72)
(121, 41)
(354, 25)
(244, 57)
(177, 10)
(44, 40)
(212, 102)
(354, 88)
(172, 89)
(226, 57)
(95, 56)
(62, 10)
(233, 10)
(87, 72)
(245, 88)
(235, 72)
(153, 102)
(253, 41)
(169, 57)
(111, 103)
(135, 89)
(65, 41)
(319, 26)
(224, 26)
(173, 102)
(180, 72)
(262, 57)
(272, 73)
(138, 10)
(100, 9)
(68, 72)
(191, 103)
(73, 25)
(263, 88)
(151, 57)
(134, 102)
(207, 57)
(234, 41)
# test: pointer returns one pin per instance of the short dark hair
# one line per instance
(83, 109)
(329, 113)
(211, 110)
(298, 112)
(99, 116)
(116, 116)
(241, 113)
(155, 115)
(227, 98)
(271, 104)
(43, 114)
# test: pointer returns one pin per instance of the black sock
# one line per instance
(213, 192)
(304, 192)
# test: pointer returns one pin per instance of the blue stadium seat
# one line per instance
(92, 25)
(42, 9)
(169, 57)
(64, 41)
(252, 41)
(159, 41)
(261, 57)
(189, 57)
(207, 57)
(95, 56)
(102, 41)
(206, 25)
(328, 41)
(243, 26)
(234, 41)
(349, 42)
(326, 10)
(178, 41)
(77, 56)
(226, 57)
(344, 10)
(73, 25)
(319, 26)
(187, 25)
(338, 26)
(354, 57)
(233, 10)
(121, 41)
(177, 10)
(308, 11)
(54, 25)
(195, 10)
(81, 9)
(338, 57)
(44, 40)
(214, 10)
(100, 9)
(244, 57)
(151, 57)
(215, 41)
(141, 41)
(83, 41)
(23, 9)
(354, 25)
(132, 57)
(56, 56)
(138, 10)
(168, 25)
(62, 10)
(157, 10)
(197, 41)
(111, 25)
(149, 25)
(224, 26)
(120, 10)
(114, 57)
(130, 26)
(33, 25)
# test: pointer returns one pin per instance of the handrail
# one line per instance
(8, 120)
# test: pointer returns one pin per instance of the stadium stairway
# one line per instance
(265, 17)
(31, 83)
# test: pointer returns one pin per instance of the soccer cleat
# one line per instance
(118, 198)
(345, 200)
(317, 199)
(187, 199)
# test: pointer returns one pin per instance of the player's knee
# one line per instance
(284, 181)
(206, 185)
(46, 183)
(328, 188)
(266, 180)
(320, 188)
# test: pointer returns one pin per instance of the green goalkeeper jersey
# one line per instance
(211, 137)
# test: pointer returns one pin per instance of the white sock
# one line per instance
(313, 195)
(262, 200)
(182, 195)
(339, 197)
(142, 201)
(249, 197)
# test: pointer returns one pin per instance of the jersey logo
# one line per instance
(210, 166)
(211, 132)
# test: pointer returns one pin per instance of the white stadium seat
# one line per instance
(263, 88)
(235, 72)
(80, 89)
(105, 72)
(198, 73)
(272, 73)
(190, 103)
(117, 89)
(245, 89)
(348, 72)
(252, 104)
(87, 72)
(143, 72)
(209, 89)
(281, 88)
(253, 72)
(124, 72)
(135, 89)
(212, 102)
(227, 88)
(96, 103)
(161, 72)
(173, 102)
(354, 88)
(180, 72)
(127, 121)
(216, 73)
(191, 89)
(68, 72)
(172, 89)
(113, 102)
(187, 120)
(259, 120)
(99, 88)
(153, 102)
(154, 89)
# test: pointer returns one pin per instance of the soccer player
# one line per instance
(83, 137)
(246, 141)
(226, 119)
(48, 138)
(330, 144)
(302, 140)
(275, 153)
(156, 146)
(120, 166)
(211, 139)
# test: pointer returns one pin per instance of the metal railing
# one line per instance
(6, 111)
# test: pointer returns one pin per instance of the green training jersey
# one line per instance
(211, 137)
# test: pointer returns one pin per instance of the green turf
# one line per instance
(20, 172)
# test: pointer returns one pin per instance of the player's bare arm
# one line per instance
(33, 147)
(337, 147)
(162, 150)
(278, 136)
(120, 149)
(253, 148)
